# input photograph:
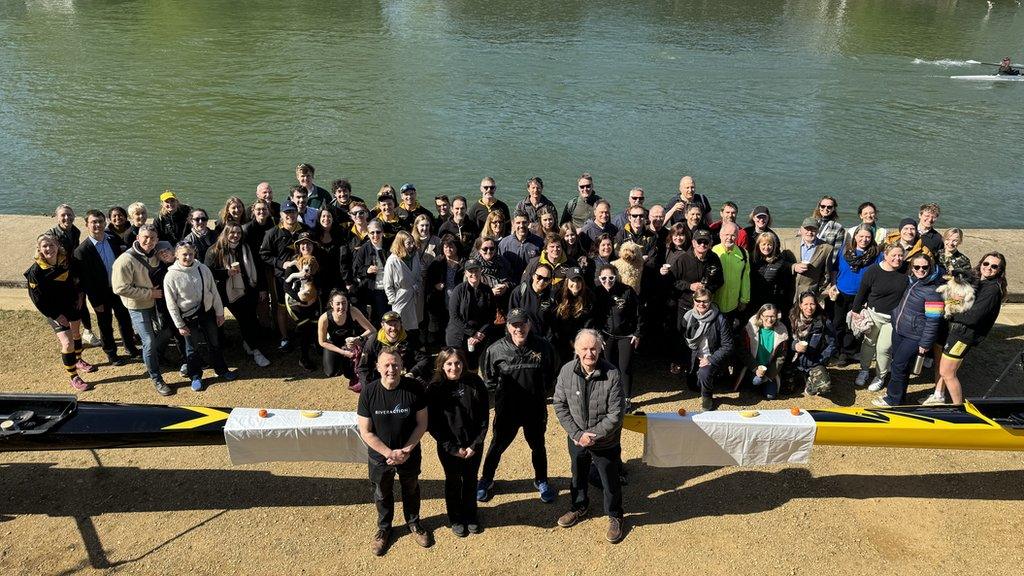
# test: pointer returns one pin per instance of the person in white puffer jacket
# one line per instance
(195, 306)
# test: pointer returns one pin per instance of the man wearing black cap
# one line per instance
(275, 252)
(520, 368)
(808, 258)
(410, 208)
(760, 222)
(698, 268)
(392, 335)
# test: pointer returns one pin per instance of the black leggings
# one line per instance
(244, 311)
(619, 351)
(335, 364)
(845, 341)
(460, 475)
(507, 421)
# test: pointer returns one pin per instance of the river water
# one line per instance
(774, 101)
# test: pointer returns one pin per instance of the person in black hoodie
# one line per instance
(619, 315)
(969, 328)
(458, 411)
(368, 271)
(471, 313)
(521, 369)
(538, 298)
(53, 288)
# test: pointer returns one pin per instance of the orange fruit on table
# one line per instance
(263, 413)
(794, 411)
(682, 411)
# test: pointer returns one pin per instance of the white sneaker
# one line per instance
(90, 339)
(877, 384)
(934, 399)
(260, 359)
(881, 402)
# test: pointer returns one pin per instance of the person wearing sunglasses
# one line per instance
(915, 323)
(537, 297)
(635, 199)
(709, 340)
(760, 221)
(830, 231)
(200, 236)
(637, 232)
(488, 203)
(697, 268)
(967, 329)
(368, 270)
(619, 315)
(581, 208)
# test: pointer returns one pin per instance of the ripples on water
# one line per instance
(777, 101)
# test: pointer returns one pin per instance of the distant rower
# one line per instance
(1006, 69)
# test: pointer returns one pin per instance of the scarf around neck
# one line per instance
(697, 324)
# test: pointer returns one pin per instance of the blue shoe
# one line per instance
(484, 490)
(547, 495)
(229, 376)
(197, 384)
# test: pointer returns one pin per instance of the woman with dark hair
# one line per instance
(577, 246)
(603, 253)
(766, 342)
(677, 243)
(368, 270)
(619, 316)
(677, 240)
(813, 344)
(868, 214)
(471, 313)
(969, 328)
(253, 232)
(340, 332)
(547, 222)
(443, 275)
(830, 231)
(915, 323)
(458, 408)
(574, 311)
(330, 240)
(708, 337)
(119, 225)
(236, 270)
(881, 289)
(859, 254)
(53, 288)
(771, 278)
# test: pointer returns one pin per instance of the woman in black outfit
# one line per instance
(574, 311)
(618, 314)
(458, 409)
(236, 269)
(471, 313)
(253, 231)
(677, 243)
(331, 240)
(771, 279)
(340, 332)
(443, 275)
(53, 288)
(969, 328)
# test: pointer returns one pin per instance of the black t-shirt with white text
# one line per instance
(392, 413)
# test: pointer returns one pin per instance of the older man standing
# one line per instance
(392, 417)
(808, 257)
(588, 403)
(488, 203)
(734, 294)
(131, 280)
(581, 208)
(687, 195)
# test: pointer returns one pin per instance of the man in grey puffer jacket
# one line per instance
(588, 401)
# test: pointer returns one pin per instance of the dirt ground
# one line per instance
(176, 510)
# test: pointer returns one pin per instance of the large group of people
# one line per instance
(424, 313)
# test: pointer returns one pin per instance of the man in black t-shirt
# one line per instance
(392, 418)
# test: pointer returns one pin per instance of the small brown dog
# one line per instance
(307, 269)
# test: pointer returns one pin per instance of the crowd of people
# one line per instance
(424, 312)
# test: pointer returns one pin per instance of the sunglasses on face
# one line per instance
(586, 186)
(358, 213)
(487, 249)
(200, 219)
(826, 206)
(991, 265)
(702, 242)
(637, 198)
(375, 232)
(542, 278)
(703, 302)
(636, 215)
(919, 267)
(607, 278)
(487, 188)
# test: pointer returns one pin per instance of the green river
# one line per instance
(105, 102)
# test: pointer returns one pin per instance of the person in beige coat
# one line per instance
(808, 258)
(130, 279)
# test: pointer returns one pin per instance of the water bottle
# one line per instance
(918, 365)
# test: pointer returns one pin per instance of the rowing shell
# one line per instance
(990, 78)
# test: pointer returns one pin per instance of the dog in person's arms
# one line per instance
(958, 292)
(305, 275)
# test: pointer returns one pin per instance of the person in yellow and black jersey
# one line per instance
(53, 288)
(392, 335)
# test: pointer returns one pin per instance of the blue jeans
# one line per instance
(154, 339)
(904, 353)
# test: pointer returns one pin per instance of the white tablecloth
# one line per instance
(724, 438)
(288, 436)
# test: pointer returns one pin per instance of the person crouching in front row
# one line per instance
(709, 339)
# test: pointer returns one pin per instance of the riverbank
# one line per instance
(17, 235)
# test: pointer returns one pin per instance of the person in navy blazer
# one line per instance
(94, 259)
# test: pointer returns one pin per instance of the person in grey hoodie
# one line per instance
(195, 306)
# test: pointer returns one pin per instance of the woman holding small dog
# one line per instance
(967, 329)
(340, 332)
(302, 297)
